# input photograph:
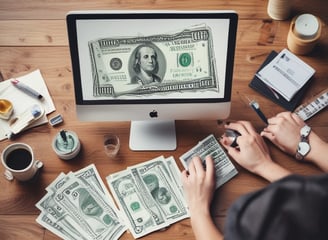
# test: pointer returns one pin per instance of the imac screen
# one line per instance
(131, 58)
(162, 57)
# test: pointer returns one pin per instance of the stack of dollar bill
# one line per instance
(209, 146)
(149, 196)
(78, 206)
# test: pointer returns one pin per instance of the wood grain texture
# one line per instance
(14, 227)
(33, 36)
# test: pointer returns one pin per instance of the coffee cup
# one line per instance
(18, 160)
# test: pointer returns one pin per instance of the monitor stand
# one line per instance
(154, 135)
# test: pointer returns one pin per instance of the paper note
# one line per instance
(286, 74)
(21, 101)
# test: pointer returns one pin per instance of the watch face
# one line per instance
(305, 131)
(303, 148)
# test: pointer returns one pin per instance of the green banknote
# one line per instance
(224, 169)
(141, 212)
(90, 209)
(154, 177)
(61, 217)
(150, 195)
(180, 61)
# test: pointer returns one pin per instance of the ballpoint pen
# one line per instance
(256, 106)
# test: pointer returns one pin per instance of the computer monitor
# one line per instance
(152, 68)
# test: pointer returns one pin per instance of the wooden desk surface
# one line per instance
(33, 36)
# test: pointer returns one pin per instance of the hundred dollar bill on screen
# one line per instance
(177, 62)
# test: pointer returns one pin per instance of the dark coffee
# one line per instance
(19, 159)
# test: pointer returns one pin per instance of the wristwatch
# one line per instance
(303, 146)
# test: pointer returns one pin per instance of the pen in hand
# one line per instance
(28, 90)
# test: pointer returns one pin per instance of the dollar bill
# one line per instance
(77, 205)
(53, 216)
(90, 177)
(181, 61)
(155, 178)
(65, 229)
(59, 230)
(150, 195)
(140, 210)
(90, 210)
(63, 220)
(57, 183)
(224, 169)
(176, 175)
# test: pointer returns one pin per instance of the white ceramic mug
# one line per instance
(18, 160)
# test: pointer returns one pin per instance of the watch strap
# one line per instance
(303, 147)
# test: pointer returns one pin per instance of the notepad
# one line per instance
(21, 101)
(258, 85)
(286, 74)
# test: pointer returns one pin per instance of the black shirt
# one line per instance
(293, 208)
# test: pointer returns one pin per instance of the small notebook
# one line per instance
(258, 85)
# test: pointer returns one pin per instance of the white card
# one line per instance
(286, 74)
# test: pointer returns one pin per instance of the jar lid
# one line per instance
(306, 26)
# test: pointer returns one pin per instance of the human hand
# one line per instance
(251, 151)
(283, 130)
(199, 185)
